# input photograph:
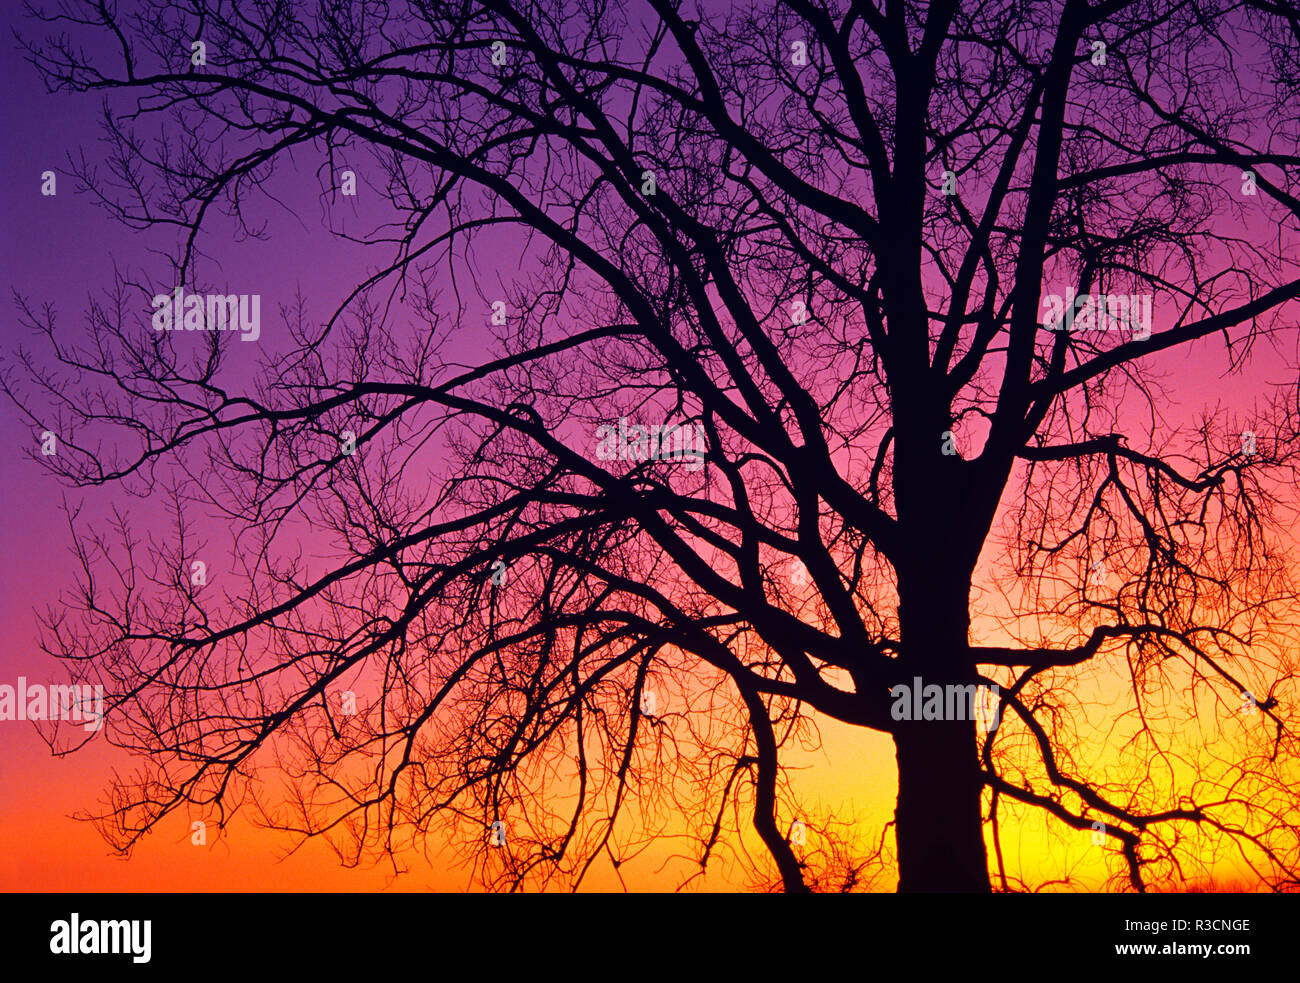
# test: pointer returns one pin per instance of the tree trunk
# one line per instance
(938, 824)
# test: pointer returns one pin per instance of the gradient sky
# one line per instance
(63, 249)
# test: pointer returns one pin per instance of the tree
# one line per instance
(853, 249)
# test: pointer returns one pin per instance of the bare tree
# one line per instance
(825, 235)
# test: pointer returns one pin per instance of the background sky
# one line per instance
(63, 249)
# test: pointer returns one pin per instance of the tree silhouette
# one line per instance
(823, 242)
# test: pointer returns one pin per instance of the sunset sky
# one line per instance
(63, 250)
